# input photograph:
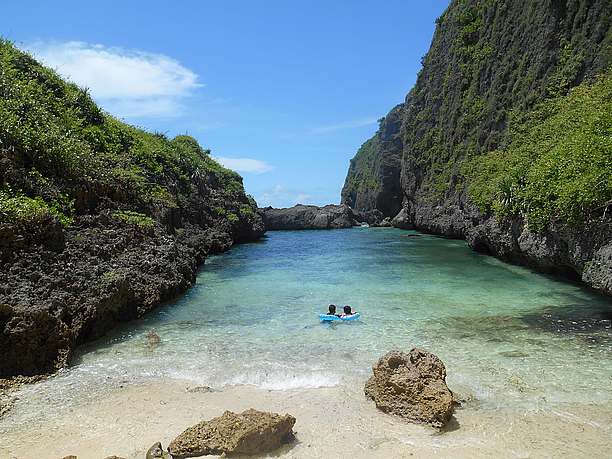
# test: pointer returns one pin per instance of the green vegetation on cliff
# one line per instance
(493, 111)
(61, 156)
(558, 165)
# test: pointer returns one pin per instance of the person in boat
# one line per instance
(332, 310)
(348, 311)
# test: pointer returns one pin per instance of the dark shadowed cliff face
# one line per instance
(485, 86)
(373, 180)
(99, 221)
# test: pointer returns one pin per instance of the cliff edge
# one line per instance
(505, 138)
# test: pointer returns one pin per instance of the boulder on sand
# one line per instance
(250, 432)
(411, 385)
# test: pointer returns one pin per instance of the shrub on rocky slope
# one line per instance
(505, 137)
(99, 221)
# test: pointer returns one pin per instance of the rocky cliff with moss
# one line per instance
(99, 221)
(506, 138)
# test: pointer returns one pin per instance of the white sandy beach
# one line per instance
(333, 422)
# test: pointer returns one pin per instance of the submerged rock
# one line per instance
(153, 338)
(412, 386)
(200, 390)
(250, 432)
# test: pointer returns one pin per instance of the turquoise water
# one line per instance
(508, 336)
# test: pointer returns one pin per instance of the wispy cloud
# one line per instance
(344, 125)
(127, 83)
(279, 196)
(248, 165)
(303, 198)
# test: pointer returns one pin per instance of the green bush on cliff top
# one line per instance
(55, 129)
(558, 165)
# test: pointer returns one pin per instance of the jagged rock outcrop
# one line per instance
(250, 432)
(99, 221)
(412, 386)
(488, 60)
(308, 217)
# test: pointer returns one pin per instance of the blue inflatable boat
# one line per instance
(331, 317)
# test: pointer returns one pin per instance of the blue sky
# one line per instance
(285, 92)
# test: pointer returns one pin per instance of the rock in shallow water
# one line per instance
(412, 386)
(250, 432)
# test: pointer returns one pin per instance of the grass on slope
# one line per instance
(67, 155)
(558, 165)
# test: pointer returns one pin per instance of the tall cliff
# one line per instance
(99, 221)
(505, 139)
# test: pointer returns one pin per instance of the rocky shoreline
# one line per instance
(301, 217)
(417, 171)
(108, 272)
(579, 254)
(100, 221)
(582, 254)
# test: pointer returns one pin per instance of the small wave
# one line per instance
(283, 381)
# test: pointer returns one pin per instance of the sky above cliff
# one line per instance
(284, 92)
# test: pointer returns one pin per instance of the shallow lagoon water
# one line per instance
(508, 336)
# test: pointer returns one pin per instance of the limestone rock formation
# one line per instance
(308, 217)
(250, 432)
(489, 64)
(411, 385)
(84, 243)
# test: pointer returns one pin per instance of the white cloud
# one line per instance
(344, 125)
(254, 166)
(303, 198)
(279, 196)
(127, 83)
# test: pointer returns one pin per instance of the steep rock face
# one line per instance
(488, 60)
(373, 180)
(99, 221)
(308, 217)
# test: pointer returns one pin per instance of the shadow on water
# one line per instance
(591, 324)
(573, 318)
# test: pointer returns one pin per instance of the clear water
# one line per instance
(508, 336)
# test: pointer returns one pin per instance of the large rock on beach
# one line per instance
(308, 217)
(250, 432)
(411, 385)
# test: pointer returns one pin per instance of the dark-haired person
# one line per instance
(332, 310)
(348, 311)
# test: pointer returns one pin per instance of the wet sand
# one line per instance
(335, 422)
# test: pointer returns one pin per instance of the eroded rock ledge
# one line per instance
(583, 253)
(107, 273)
